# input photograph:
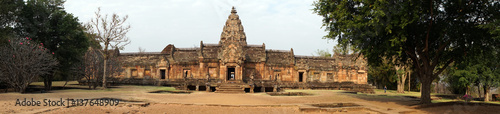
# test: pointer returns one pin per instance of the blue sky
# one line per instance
(280, 24)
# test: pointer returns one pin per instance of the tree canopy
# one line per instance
(431, 33)
(47, 22)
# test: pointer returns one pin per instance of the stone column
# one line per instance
(185, 86)
(208, 88)
(251, 88)
(197, 87)
(275, 88)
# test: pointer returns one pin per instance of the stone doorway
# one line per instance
(162, 74)
(301, 76)
(231, 74)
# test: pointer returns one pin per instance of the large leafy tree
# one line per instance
(383, 74)
(461, 78)
(483, 70)
(431, 33)
(46, 21)
(9, 9)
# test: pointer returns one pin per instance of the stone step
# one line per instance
(230, 91)
(230, 88)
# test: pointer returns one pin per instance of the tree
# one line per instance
(344, 49)
(46, 22)
(110, 33)
(491, 77)
(431, 33)
(142, 50)
(402, 72)
(9, 9)
(383, 74)
(483, 70)
(462, 79)
(93, 67)
(22, 61)
(321, 53)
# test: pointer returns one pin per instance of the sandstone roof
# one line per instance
(311, 62)
(255, 53)
(279, 57)
(210, 52)
(184, 55)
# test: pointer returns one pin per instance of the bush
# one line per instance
(22, 61)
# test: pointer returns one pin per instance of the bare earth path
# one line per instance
(205, 102)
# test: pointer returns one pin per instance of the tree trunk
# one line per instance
(65, 84)
(409, 81)
(399, 83)
(467, 91)
(22, 90)
(425, 96)
(403, 81)
(47, 82)
(486, 93)
(95, 83)
(478, 91)
(104, 75)
(89, 83)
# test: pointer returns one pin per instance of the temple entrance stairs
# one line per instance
(230, 87)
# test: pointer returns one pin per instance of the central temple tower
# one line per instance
(233, 30)
(233, 42)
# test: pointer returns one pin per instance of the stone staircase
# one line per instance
(230, 87)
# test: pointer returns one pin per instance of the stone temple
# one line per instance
(234, 66)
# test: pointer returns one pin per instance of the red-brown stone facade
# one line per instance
(232, 56)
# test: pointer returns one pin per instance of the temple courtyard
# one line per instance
(159, 99)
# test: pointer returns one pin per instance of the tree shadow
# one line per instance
(37, 89)
(401, 100)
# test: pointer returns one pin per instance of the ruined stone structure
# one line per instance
(234, 65)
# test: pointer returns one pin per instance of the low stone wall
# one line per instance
(185, 84)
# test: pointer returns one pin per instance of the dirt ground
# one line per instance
(136, 99)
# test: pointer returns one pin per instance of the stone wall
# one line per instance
(214, 61)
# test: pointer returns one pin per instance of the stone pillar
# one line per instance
(275, 88)
(185, 86)
(251, 88)
(197, 87)
(208, 88)
(263, 88)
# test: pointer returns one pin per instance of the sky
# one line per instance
(280, 24)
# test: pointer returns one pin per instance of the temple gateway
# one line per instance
(233, 66)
